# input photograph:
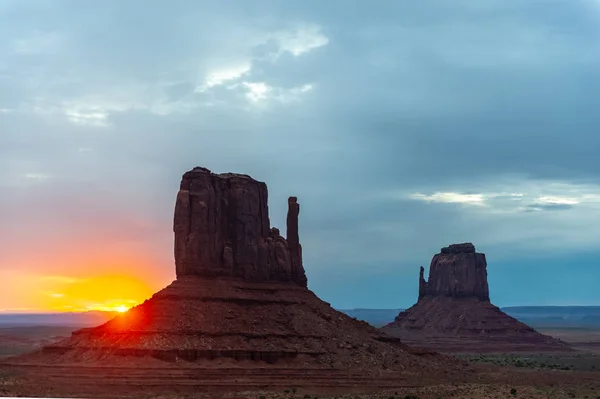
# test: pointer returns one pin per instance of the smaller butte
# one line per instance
(454, 313)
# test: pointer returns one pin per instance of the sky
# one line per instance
(401, 126)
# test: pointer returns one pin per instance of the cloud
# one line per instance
(527, 215)
(560, 200)
(534, 195)
(296, 41)
(92, 116)
(301, 40)
(95, 106)
(93, 102)
(60, 279)
(37, 176)
(257, 91)
(401, 128)
(472, 199)
(222, 76)
(547, 207)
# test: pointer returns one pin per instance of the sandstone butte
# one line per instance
(239, 315)
(454, 314)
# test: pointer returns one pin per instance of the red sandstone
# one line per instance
(454, 314)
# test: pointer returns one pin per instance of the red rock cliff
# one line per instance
(221, 227)
(457, 271)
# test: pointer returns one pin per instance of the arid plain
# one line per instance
(556, 375)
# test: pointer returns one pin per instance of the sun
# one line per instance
(121, 308)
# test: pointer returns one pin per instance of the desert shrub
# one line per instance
(513, 392)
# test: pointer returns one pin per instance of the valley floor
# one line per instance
(572, 375)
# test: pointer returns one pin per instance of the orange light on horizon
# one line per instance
(116, 308)
(112, 308)
(68, 293)
(121, 309)
(113, 293)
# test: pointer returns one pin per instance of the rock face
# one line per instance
(239, 307)
(454, 314)
(221, 227)
(458, 272)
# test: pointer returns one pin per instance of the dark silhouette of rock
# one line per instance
(240, 296)
(454, 314)
(457, 272)
(221, 227)
(464, 248)
(293, 240)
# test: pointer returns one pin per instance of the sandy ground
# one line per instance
(583, 339)
(574, 375)
(18, 340)
(484, 381)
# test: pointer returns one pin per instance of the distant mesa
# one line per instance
(240, 300)
(454, 314)
(457, 272)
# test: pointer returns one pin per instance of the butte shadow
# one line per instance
(238, 316)
(454, 313)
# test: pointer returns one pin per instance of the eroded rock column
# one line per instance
(221, 227)
(457, 271)
(293, 240)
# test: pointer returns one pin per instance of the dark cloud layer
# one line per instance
(401, 126)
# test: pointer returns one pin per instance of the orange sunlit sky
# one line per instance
(79, 251)
(35, 293)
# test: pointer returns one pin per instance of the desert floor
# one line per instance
(573, 375)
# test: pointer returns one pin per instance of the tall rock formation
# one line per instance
(454, 314)
(457, 272)
(221, 227)
(293, 241)
(239, 309)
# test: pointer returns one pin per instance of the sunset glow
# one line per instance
(108, 293)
